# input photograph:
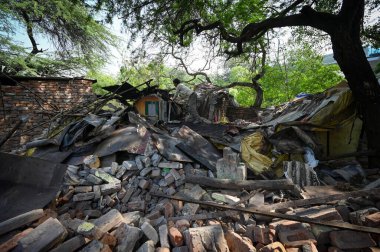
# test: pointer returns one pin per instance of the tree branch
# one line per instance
(29, 29)
(195, 74)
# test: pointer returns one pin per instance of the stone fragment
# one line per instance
(172, 165)
(176, 238)
(82, 189)
(139, 162)
(108, 221)
(144, 172)
(162, 249)
(92, 161)
(106, 177)
(175, 174)
(164, 234)
(264, 235)
(92, 213)
(89, 230)
(207, 238)
(12, 243)
(294, 234)
(156, 159)
(121, 171)
(229, 167)
(373, 220)
(130, 165)
(358, 217)
(236, 243)
(128, 194)
(127, 237)
(182, 225)
(97, 192)
(106, 189)
(144, 184)
(168, 210)
(347, 239)
(273, 247)
(239, 228)
(150, 232)
(169, 179)
(170, 191)
(44, 237)
(180, 249)
(155, 173)
(109, 239)
(93, 179)
(96, 246)
(132, 218)
(136, 206)
(146, 161)
(70, 245)
(20, 220)
(148, 246)
(190, 209)
(225, 198)
(84, 196)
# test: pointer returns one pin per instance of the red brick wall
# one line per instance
(53, 96)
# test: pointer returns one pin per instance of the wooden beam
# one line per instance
(340, 225)
(279, 184)
(322, 200)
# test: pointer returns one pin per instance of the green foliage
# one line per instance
(162, 75)
(302, 71)
(102, 80)
(80, 41)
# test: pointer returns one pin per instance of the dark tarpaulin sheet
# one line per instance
(27, 183)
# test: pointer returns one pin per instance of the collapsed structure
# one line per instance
(287, 181)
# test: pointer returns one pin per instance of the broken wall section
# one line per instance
(40, 98)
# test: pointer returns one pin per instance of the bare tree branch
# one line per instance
(29, 29)
(182, 63)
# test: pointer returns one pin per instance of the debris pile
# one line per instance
(144, 187)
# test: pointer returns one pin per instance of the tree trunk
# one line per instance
(349, 53)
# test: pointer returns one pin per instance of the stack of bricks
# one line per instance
(39, 98)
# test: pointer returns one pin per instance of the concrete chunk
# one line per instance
(172, 165)
(130, 165)
(111, 219)
(71, 245)
(127, 237)
(347, 239)
(150, 232)
(208, 238)
(110, 188)
(84, 196)
(44, 237)
(163, 232)
(148, 246)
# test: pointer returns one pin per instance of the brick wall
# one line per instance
(40, 99)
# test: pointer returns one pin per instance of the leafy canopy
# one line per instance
(79, 40)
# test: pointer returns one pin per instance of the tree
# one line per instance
(241, 23)
(78, 38)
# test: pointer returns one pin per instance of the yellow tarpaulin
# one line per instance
(250, 146)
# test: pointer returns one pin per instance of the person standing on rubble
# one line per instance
(187, 99)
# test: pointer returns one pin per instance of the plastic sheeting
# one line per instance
(250, 147)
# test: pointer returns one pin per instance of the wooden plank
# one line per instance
(321, 200)
(340, 225)
(195, 217)
(279, 184)
(20, 220)
(191, 152)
